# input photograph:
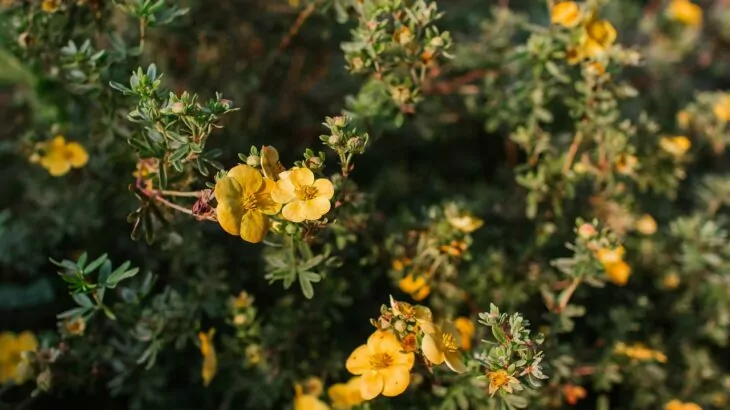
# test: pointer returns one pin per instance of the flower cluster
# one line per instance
(58, 156)
(639, 352)
(593, 36)
(427, 258)
(248, 197)
(514, 361)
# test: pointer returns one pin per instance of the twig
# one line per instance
(182, 209)
(294, 30)
(193, 194)
(572, 151)
(567, 294)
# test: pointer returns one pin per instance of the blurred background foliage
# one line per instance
(477, 135)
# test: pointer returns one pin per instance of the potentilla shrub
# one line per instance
(364, 204)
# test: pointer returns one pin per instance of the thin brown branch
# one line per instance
(192, 194)
(567, 294)
(572, 151)
(298, 23)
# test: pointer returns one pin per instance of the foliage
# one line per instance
(540, 186)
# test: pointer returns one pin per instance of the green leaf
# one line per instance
(82, 260)
(120, 274)
(306, 286)
(83, 300)
(95, 264)
(78, 311)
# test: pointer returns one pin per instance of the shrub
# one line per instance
(365, 204)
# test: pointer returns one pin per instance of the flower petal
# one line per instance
(264, 202)
(284, 191)
(254, 226)
(248, 177)
(229, 216)
(316, 208)
(26, 341)
(228, 190)
(324, 188)
(359, 360)
(371, 384)
(76, 155)
(455, 361)
(56, 166)
(383, 341)
(294, 211)
(395, 380)
(404, 359)
(301, 177)
(430, 349)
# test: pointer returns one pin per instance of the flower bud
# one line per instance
(587, 231)
(333, 139)
(253, 161)
(177, 107)
(400, 326)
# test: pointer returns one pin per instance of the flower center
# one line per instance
(449, 343)
(249, 202)
(307, 192)
(380, 361)
(498, 379)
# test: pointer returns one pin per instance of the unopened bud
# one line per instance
(400, 326)
(587, 231)
(177, 107)
(253, 161)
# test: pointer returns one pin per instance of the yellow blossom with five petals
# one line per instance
(442, 346)
(210, 359)
(244, 203)
(303, 197)
(59, 156)
(346, 395)
(384, 368)
(500, 379)
(599, 37)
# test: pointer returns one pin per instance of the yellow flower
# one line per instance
(59, 157)
(314, 386)
(383, 366)
(573, 393)
(599, 36)
(439, 347)
(346, 395)
(640, 352)
(11, 348)
(609, 256)
(253, 354)
(684, 118)
(722, 108)
(403, 36)
(303, 196)
(466, 330)
(566, 14)
(626, 164)
(420, 314)
(50, 6)
(143, 171)
(685, 12)
(307, 401)
(417, 287)
(646, 225)
(462, 221)
(75, 326)
(676, 146)
(618, 273)
(400, 264)
(244, 201)
(243, 300)
(678, 405)
(210, 360)
(671, 280)
(500, 379)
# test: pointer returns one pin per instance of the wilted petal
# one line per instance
(395, 380)
(371, 384)
(359, 361)
(248, 177)
(254, 226)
